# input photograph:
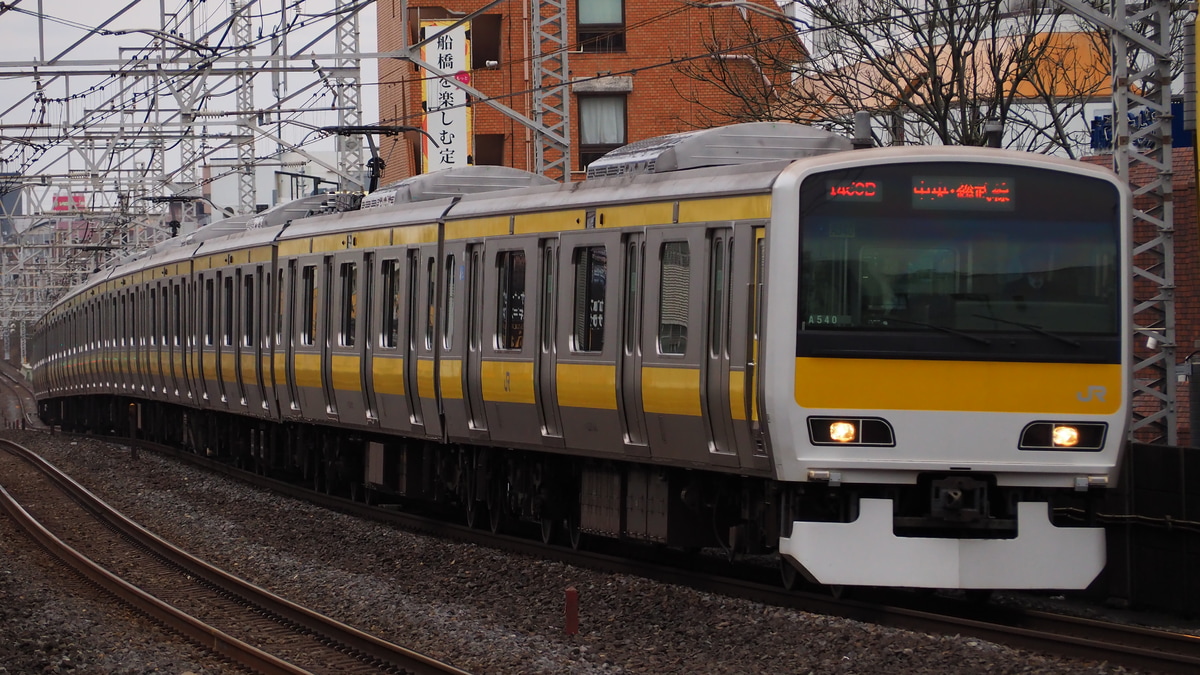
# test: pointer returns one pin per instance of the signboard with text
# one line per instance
(447, 117)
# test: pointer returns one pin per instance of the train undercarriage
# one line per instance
(567, 498)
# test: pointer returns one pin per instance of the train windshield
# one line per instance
(972, 248)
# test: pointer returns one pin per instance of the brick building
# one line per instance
(628, 66)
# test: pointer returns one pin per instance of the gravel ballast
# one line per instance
(483, 610)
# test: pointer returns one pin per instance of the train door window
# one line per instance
(308, 290)
(716, 298)
(591, 279)
(266, 296)
(510, 314)
(210, 312)
(349, 276)
(153, 317)
(165, 327)
(279, 308)
(121, 330)
(389, 331)
(227, 313)
(177, 303)
(448, 319)
(429, 303)
(248, 310)
(675, 279)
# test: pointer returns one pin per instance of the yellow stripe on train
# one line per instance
(886, 384)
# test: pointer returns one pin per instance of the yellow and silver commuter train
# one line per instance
(894, 367)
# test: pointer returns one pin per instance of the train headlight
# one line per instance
(871, 431)
(843, 432)
(1075, 436)
(1064, 436)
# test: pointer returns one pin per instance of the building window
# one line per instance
(601, 25)
(601, 126)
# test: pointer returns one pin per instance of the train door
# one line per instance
(366, 338)
(629, 356)
(428, 346)
(205, 353)
(459, 324)
(473, 342)
(239, 330)
(414, 336)
(347, 317)
(174, 333)
(545, 365)
(389, 395)
(285, 340)
(715, 361)
(227, 368)
(326, 337)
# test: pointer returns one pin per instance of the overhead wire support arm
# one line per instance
(1140, 35)
(375, 164)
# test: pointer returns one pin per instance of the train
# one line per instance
(890, 367)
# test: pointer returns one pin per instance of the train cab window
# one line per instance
(675, 278)
(591, 279)
(227, 314)
(389, 334)
(510, 312)
(308, 291)
(448, 318)
(349, 275)
(248, 311)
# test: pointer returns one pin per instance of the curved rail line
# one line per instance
(1130, 646)
(305, 635)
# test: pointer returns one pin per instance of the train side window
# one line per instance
(308, 289)
(349, 274)
(389, 334)
(591, 280)
(675, 279)
(510, 314)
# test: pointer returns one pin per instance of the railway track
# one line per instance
(1130, 646)
(236, 620)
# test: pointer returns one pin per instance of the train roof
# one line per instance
(746, 143)
(455, 182)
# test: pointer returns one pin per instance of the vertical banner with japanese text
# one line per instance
(447, 117)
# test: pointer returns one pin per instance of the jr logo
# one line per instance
(1094, 393)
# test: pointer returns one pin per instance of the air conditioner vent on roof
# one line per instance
(452, 183)
(721, 146)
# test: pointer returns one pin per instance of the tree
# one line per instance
(929, 71)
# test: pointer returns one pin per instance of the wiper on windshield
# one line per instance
(944, 329)
(1031, 327)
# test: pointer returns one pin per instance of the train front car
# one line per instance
(946, 367)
